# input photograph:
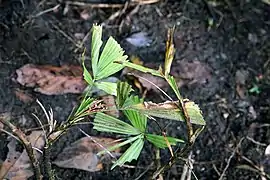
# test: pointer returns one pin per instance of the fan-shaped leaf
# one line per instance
(108, 87)
(112, 148)
(137, 119)
(123, 91)
(132, 153)
(111, 52)
(160, 142)
(106, 123)
(86, 75)
(95, 47)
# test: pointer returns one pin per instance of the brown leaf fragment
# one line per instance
(23, 96)
(191, 72)
(240, 91)
(82, 154)
(17, 165)
(12, 157)
(51, 80)
(240, 80)
(110, 105)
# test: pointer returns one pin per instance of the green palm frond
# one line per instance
(108, 87)
(170, 110)
(132, 153)
(95, 46)
(123, 92)
(160, 142)
(85, 104)
(137, 119)
(106, 123)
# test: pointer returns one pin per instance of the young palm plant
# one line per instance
(110, 61)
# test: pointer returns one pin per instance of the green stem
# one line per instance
(47, 163)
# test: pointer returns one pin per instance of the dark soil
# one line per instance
(237, 40)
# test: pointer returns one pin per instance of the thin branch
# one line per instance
(100, 145)
(163, 92)
(230, 158)
(66, 35)
(160, 176)
(104, 5)
(41, 13)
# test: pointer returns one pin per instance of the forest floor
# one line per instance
(232, 38)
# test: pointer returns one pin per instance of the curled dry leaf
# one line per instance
(17, 165)
(82, 154)
(51, 80)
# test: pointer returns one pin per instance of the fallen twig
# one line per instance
(41, 13)
(66, 36)
(104, 5)
(230, 158)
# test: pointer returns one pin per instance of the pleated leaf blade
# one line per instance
(123, 92)
(95, 47)
(132, 153)
(137, 119)
(85, 104)
(106, 65)
(106, 123)
(170, 110)
(108, 87)
(160, 141)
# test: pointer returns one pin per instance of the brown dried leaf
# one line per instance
(12, 157)
(82, 154)
(51, 80)
(17, 165)
(191, 72)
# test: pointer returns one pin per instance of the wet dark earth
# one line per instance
(231, 37)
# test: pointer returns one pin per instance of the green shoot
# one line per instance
(108, 62)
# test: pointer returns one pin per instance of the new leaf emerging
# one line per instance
(170, 51)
